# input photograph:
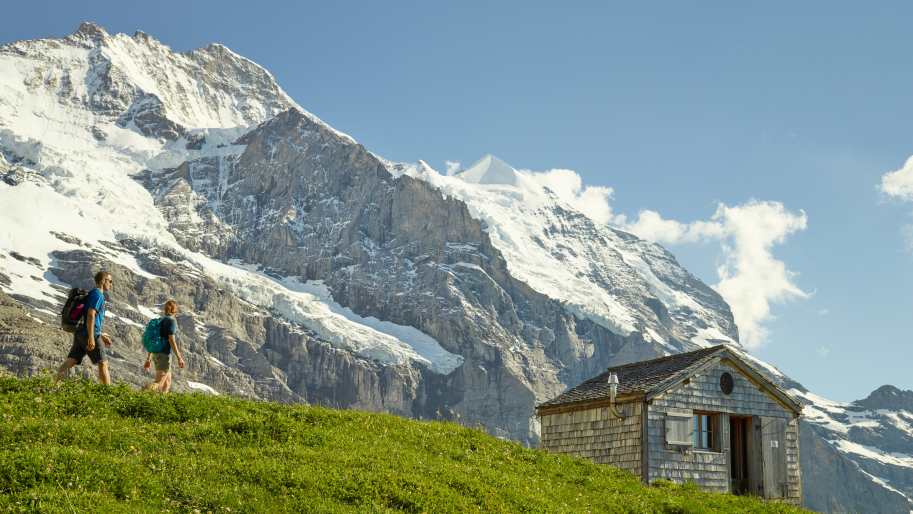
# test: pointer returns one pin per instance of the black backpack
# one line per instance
(71, 316)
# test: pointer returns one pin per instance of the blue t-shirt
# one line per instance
(167, 327)
(95, 300)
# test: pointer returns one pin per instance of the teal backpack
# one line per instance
(152, 338)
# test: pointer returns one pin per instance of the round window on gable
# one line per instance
(726, 383)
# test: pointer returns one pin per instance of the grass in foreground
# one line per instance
(80, 447)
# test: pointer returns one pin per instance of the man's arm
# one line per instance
(148, 362)
(174, 348)
(90, 329)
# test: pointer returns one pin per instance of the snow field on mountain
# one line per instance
(312, 305)
(868, 452)
(510, 219)
(565, 260)
(197, 386)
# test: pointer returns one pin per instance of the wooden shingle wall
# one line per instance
(596, 435)
(792, 460)
(710, 470)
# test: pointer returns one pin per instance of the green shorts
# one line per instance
(162, 361)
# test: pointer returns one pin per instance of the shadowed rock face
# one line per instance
(888, 397)
(833, 483)
(301, 201)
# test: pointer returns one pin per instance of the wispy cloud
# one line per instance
(452, 167)
(906, 232)
(898, 184)
(823, 351)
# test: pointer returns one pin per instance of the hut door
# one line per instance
(773, 452)
(739, 437)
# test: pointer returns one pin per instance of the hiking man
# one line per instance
(88, 338)
(167, 327)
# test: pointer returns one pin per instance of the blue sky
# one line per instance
(677, 106)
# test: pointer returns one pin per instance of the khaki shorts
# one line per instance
(162, 361)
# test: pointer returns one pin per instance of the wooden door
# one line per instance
(755, 460)
(773, 456)
(739, 471)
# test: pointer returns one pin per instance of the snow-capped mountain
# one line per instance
(611, 277)
(875, 437)
(309, 269)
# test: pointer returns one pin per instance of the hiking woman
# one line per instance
(167, 330)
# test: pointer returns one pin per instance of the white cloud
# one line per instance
(751, 278)
(452, 167)
(899, 183)
(652, 226)
(593, 201)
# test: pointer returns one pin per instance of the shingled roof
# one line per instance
(636, 377)
(653, 375)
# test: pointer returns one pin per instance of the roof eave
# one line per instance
(724, 354)
(544, 410)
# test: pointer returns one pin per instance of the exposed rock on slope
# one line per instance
(860, 454)
(304, 202)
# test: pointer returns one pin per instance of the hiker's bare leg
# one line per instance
(166, 383)
(158, 383)
(62, 371)
(103, 376)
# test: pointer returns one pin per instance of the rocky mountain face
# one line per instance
(310, 270)
(601, 274)
(870, 439)
(888, 397)
(392, 248)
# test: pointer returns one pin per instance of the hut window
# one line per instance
(706, 429)
(678, 428)
(726, 383)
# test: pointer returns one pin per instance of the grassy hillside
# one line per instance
(80, 447)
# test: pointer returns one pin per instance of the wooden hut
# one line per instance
(706, 416)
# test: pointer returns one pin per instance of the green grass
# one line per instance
(81, 447)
